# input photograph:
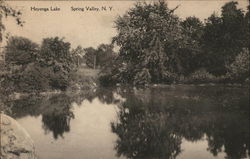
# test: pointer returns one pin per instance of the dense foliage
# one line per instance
(224, 38)
(32, 67)
(239, 69)
(149, 37)
(158, 47)
(20, 51)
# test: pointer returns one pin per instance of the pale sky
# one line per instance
(91, 28)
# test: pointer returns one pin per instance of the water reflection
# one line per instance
(152, 123)
(55, 111)
(152, 127)
(144, 133)
(58, 119)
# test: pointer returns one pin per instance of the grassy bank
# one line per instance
(84, 78)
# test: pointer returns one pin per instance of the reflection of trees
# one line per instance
(143, 133)
(57, 123)
(26, 106)
(106, 95)
(58, 119)
(152, 123)
(232, 132)
(55, 110)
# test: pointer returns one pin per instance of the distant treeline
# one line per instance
(156, 46)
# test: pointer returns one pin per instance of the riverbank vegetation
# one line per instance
(32, 67)
(156, 46)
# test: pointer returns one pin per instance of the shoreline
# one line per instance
(17, 95)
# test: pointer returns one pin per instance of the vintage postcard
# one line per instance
(124, 79)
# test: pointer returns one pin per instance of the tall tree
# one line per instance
(55, 56)
(224, 37)
(54, 51)
(149, 36)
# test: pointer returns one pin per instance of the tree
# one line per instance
(6, 11)
(223, 39)
(55, 54)
(55, 51)
(149, 37)
(20, 51)
(233, 25)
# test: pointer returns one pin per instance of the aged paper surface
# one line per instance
(124, 79)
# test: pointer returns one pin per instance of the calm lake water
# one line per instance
(174, 122)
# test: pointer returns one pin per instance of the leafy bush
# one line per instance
(239, 69)
(201, 76)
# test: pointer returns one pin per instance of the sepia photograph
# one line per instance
(124, 79)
